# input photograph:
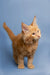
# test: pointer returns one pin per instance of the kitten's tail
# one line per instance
(10, 33)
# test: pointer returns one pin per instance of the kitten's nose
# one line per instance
(38, 36)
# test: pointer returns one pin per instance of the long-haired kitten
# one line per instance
(25, 43)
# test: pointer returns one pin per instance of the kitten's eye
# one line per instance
(33, 33)
(38, 31)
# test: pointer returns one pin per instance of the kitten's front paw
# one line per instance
(31, 66)
(21, 66)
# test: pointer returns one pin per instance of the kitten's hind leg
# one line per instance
(15, 55)
(15, 58)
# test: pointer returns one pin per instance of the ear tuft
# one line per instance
(34, 21)
(22, 23)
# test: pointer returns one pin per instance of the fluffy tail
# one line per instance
(10, 33)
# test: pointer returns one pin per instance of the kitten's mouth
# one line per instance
(38, 37)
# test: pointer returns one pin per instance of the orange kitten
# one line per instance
(25, 43)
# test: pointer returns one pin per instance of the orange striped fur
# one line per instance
(25, 43)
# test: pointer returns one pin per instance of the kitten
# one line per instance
(25, 43)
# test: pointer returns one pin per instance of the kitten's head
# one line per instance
(31, 32)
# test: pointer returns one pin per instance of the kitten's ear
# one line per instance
(34, 21)
(24, 28)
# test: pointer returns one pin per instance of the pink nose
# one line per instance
(39, 36)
